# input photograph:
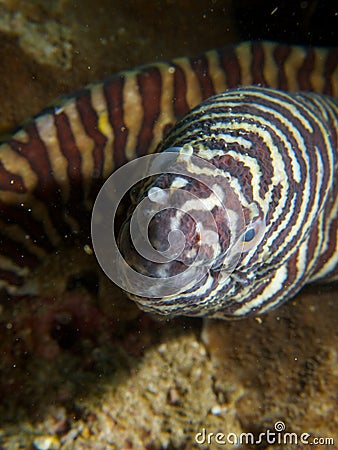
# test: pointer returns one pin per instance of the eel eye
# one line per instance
(253, 234)
(249, 235)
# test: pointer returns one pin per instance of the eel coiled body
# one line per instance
(52, 169)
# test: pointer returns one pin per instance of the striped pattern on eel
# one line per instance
(279, 154)
(52, 168)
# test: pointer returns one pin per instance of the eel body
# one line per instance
(52, 169)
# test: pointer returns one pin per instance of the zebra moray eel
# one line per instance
(279, 154)
(52, 168)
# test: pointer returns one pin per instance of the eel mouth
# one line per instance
(181, 228)
(172, 248)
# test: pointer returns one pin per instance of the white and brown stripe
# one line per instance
(52, 169)
(279, 152)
